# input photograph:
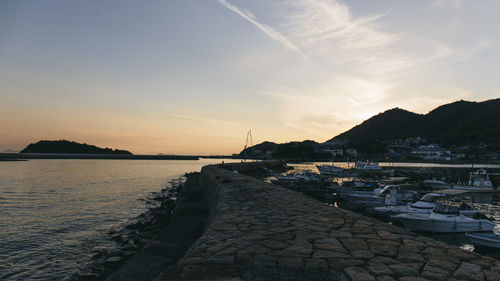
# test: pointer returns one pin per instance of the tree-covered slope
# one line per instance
(69, 147)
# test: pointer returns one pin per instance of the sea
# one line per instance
(55, 215)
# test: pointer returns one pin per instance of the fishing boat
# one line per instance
(445, 218)
(478, 181)
(437, 184)
(378, 197)
(484, 239)
(423, 206)
(297, 177)
(330, 170)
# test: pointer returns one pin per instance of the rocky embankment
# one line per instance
(260, 231)
(130, 239)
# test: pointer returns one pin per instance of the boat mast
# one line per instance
(248, 141)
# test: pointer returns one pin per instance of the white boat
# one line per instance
(378, 197)
(484, 239)
(297, 177)
(444, 218)
(360, 184)
(437, 184)
(478, 180)
(424, 206)
(330, 170)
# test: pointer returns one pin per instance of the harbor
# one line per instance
(260, 231)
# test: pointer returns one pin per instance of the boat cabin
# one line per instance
(446, 209)
(479, 178)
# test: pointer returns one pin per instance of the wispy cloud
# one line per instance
(269, 31)
(316, 23)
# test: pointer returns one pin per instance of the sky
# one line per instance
(194, 76)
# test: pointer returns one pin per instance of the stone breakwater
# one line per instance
(259, 231)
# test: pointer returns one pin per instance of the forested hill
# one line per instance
(458, 123)
(69, 147)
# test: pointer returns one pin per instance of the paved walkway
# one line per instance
(260, 231)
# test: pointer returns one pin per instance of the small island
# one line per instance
(64, 149)
(69, 147)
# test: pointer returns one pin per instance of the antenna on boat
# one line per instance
(249, 141)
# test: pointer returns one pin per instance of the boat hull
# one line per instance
(450, 225)
(484, 240)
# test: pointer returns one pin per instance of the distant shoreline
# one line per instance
(17, 156)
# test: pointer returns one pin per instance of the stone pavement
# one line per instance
(259, 231)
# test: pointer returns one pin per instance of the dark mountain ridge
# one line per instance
(457, 123)
(69, 147)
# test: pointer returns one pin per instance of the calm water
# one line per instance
(54, 214)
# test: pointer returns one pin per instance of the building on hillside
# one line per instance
(351, 152)
(335, 152)
(431, 152)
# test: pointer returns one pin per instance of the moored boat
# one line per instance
(478, 181)
(330, 170)
(378, 197)
(424, 206)
(437, 184)
(445, 218)
(484, 239)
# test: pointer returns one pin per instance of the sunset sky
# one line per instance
(193, 76)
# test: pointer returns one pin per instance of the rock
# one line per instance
(226, 259)
(227, 251)
(316, 263)
(274, 244)
(358, 274)
(469, 271)
(291, 262)
(331, 240)
(295, 251)
(113, 259)
(379, 269)
(405, 269)
(491, 275)
(410, 257)
(386, 235)
(412, 278)
(384, 260)
(383, 249)
(433, 252)
(403, 249)
(483, 262)
(331, 247)
(462, 254)
(340, 234)
(191, 260)
(265, 260)
(362, 254)
(341, 263)
(385, 278)
(414, 243)
(362, 229)
(442, 263)
(329, 254)
(434, 273)
(354, 244)
(243, 258)
(89, 276)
